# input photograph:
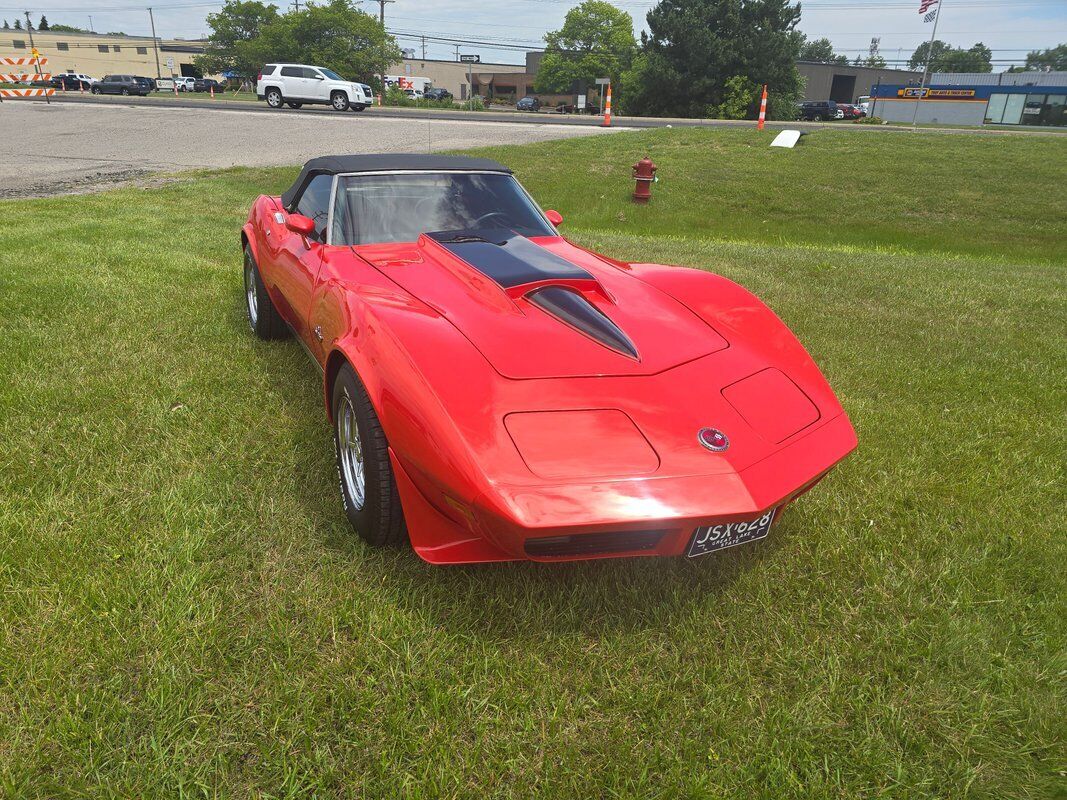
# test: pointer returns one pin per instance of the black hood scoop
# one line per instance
(572, 309)
(513, 261)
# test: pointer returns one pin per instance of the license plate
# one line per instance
(710, 538)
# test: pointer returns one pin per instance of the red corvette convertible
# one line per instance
(500, 393)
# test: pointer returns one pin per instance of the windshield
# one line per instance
(397, 208)
(329, 73)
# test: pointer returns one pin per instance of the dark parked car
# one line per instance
(206, 85)
(528, 103)
(148, 83)
(437, 94)
(119, 84)
(822, 109)
(69, 83)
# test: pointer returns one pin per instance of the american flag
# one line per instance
(930, 17)
(926, 5)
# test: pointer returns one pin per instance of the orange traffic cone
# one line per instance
(212, 87)
(762, 109)
(607, 110)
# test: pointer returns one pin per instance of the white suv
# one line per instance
(296, 84)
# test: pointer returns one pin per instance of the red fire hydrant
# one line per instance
(645, 175)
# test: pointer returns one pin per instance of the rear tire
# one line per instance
(339, 101)
(95, 90)
(263, 317)
(274, 98)
(125, 92)
(368, 490)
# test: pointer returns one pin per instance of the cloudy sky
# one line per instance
(1009, 28)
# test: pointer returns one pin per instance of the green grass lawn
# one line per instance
(185, 613)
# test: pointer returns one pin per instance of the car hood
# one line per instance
(542, 307)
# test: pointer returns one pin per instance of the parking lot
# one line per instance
(68, 147)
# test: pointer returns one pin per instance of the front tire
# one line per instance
(263, 317)
(368, 490)
(125, 92)
(294, 105)
(358, 107)
(274, 98)
(339, 101)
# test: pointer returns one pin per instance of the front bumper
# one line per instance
(630, 517)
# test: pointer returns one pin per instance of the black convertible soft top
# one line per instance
(385, 162)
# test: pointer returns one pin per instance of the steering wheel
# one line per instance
(490, 215)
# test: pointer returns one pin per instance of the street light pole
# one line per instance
(155, 44)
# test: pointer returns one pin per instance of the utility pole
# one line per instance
(381, 19)
(91, 28)
(296, 4)
(33, 49)
(423, 48)
(155, 43)
(457, 52)
(926, 66)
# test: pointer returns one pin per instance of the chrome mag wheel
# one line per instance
(352, 471)
(250, 293)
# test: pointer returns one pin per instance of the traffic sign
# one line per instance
(603, 81)
(471, 59)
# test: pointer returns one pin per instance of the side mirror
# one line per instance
(300, 224)
(554, 217)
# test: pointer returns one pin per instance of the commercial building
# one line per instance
(99, 54)
(982, 98)
(846, 84)
(452, 75)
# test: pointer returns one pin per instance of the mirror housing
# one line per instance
(300, 224)
(554, 217)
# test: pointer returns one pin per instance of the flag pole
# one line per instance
(926, 65)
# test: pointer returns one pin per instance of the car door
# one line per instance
(316, 85)
(298, 258)
(293, 83)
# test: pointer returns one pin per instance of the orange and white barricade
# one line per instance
(607, 110)
(762, 109)
(22, 77)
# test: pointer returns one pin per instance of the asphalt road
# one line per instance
(71, 147)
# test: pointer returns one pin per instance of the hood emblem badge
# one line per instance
(713, 439)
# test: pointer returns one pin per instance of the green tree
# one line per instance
(694, 47)
(874, 61)
(66, 29)
(975, 59)
(820, 50)
(1055, 58)
(43, 24)
(927, 50)
(596, 41)
(234, 30)
(7, 25)
(18, 24)
(336, 35)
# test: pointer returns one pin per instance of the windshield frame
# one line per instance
(338, 176)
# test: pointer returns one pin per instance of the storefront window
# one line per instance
(1013, 109)
(1057, 110)
(1034, 109)
(994, 111)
